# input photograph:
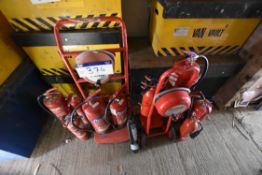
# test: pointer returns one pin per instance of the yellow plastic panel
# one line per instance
(11, 56)
(25, 16)
(49, 62)
(169, 36)
(66, 88)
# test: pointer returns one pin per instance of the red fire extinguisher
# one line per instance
(94, 110)
(118, 109)
(55, 102)
(147, 100)
(148, 91)
(192, 125)
(76, 126)
(174, 96)
(73, 101)
(186, 73)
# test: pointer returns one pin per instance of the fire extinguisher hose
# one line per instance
(72, 116)
(206, 65)
(116, 94)
(40, 103)
(71, 119)
(106, 111)
(201, 96)
(105, 116)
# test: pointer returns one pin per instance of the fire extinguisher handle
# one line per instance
(50, 90)
(120, 23)
(192, 56)
(196, 133)
(206, 66)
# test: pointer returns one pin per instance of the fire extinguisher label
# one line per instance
(173, 78)
(95, 104)
(100, 125)
(121, 101)
(118, 113)
(95, 69)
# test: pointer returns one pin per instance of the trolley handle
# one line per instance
(162, 79)
(88, 20)
(85, 20)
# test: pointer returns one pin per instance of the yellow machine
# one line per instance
(34, 23)
(27, 16)
(42, 50)
(11, 56)
(207, 28)
(54, 70)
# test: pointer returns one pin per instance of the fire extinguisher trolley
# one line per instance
(65, 55)
(116, 135)
(172, 99)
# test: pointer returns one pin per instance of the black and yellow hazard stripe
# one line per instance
(59, 75)
(207, 50)
(54, 72)
(47, 23)
(56, 75)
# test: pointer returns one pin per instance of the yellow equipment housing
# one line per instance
(11, 55)
(207, 28)
(42, 49)
(27, 17)
(34, 23)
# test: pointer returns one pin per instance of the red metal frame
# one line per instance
(151, 114)
(64, 55)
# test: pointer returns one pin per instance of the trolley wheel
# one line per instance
(172, 134)
(143, 139)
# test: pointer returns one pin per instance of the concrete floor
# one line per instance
(219, 149)
(251, 120)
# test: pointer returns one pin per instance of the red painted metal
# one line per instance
(80, 134)
(160, 85)
(118, 110)
(184, 73)
(73, 101)
(64, 55)
(173, 103)
(94, 109)
(116, 136)
(201, 108)
(147, 100)
(188, 126)
(57, 104)
(94, 114)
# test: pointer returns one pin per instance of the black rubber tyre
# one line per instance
(142, 139)
(172, 134)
